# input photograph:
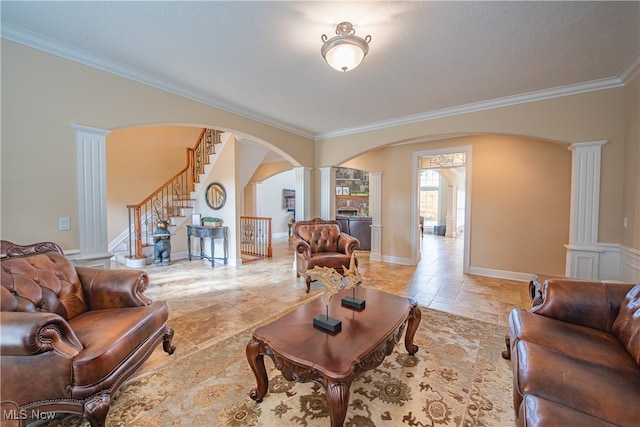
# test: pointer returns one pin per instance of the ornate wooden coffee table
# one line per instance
(304, 353)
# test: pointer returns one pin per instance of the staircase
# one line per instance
(173, 202)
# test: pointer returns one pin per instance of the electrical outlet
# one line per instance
(64, 223)
(625, 222)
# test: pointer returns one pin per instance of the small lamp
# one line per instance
(345, 51)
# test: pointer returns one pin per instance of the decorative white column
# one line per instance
(375, 210)
(303, 193)
(327, 192)
(452, 208)
(92, 196)
(257, 194)
(582, 250)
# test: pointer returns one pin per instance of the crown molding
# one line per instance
(63, 50)
(30, 39)
(613, 82)
(632, 70)
(484, 105)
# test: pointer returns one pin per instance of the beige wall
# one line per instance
(264, 171)
(520, 200)
(271, 200)
(592, 116)
(44, 95)
(267, 170)
(139, 160)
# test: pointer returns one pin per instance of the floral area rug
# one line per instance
(457, 378)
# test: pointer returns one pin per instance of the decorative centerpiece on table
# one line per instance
(209, 221)
(353, 280)
(333, 282)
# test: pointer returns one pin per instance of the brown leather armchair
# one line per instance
(320, 243)
(71, 336)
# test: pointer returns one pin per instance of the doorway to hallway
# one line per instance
(442, 196)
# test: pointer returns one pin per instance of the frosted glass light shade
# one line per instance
(344, 56)
(345, 51)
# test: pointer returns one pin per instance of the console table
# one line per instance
(212, 233)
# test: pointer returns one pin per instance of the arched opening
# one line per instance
(140, 158)
(516, 199)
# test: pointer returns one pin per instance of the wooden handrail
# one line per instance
(159, 189)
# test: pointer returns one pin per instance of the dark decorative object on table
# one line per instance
(323, 321)
(332, 281)
(161, 244)
(353, 302)
(353, 280)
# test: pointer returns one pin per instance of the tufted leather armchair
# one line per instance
(71, 336)
(320, 243)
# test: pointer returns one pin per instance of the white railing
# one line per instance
(255, 236)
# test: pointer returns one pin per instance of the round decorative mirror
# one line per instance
(216, 195)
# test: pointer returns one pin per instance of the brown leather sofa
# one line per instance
(319, 242)
(576, 354)
(358, 227)
(71, 336)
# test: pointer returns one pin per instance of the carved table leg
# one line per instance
(412, 326)
(255, 356)
(337, 401)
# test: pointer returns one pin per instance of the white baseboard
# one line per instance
(615, 262)
(629, 265)
(398, 260)
(501, 274)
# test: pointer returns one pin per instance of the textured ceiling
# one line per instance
(262, 59)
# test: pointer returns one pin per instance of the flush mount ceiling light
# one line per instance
(345, 51)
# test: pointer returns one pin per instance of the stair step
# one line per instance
(178, 205)
(122, 257)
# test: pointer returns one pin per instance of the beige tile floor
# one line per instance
(207, 305)
(243, 295)
(439, 283)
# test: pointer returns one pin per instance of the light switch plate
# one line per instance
(64, 223)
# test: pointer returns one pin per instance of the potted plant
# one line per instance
(211, 221)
